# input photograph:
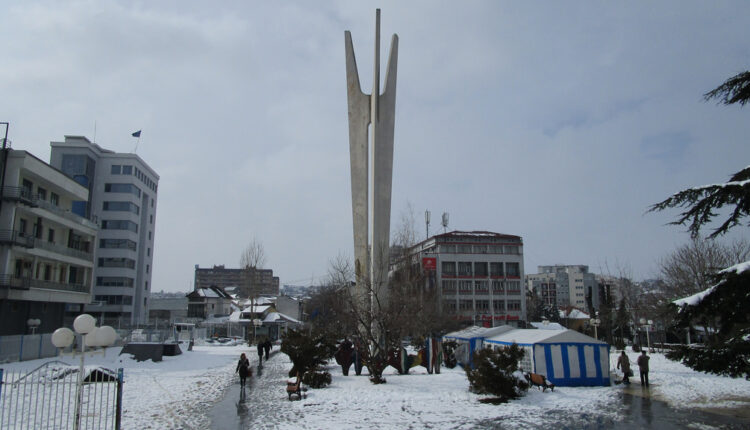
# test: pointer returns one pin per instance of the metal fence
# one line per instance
(59, 396)
(26, 347)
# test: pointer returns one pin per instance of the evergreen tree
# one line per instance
(496, 372)
(724, 305)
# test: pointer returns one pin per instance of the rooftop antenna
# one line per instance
(445, 222)
(427, 223)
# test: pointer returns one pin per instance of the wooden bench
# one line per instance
(294, 387)
(537, 380)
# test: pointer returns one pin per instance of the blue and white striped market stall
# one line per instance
(566, 358)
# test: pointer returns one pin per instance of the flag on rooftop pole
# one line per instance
(138, 135)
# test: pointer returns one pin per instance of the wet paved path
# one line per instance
(261, 404)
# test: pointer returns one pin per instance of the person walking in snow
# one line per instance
(643, 366)
(243, 367)
(267, 348)
(624, 362)
(260, 354)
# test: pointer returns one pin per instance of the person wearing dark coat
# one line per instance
(243, 367)
(267, 348)
(260, 352)
(643, 367)
(624, 362)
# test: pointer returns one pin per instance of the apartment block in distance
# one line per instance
(479, 274)
(565, 286)
(244, 282)
(123, 199)
(46, 249)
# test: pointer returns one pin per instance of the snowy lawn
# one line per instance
(432, 401)
(174, 393)
(179, 391)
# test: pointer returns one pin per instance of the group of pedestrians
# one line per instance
(243, 365)
(624, 362)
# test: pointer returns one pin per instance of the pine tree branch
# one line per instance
(734, 90)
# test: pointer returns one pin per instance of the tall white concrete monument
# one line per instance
(371, 120)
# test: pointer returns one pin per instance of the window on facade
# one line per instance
(496, 249)
(465, 305)
(514, 287)
(127, 170)
(480, 249)
(54, 199)
(26, 188)
(513, 269)
(121, 206)
(119, 225)
(147, 268)
(150, 219)
(149, 235)
(41, 193)
(496, 269)
(497, 287)
(481, 287)
(511, 249)
(51, 235)
(122, 188)
(117, 243)
(449, 286)
(480, 269)
(464, 268)
(448, 248)
(448, 268)
(148, 252)
(47, 272)
(514, 305)
(498, 305)
(114, 281)
(482, 305)
(464, 249)
(116, 169)
(117, 262)
(465, 287)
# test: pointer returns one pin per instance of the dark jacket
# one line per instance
(243, 366)
(643, 362)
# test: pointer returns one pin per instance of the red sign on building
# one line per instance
(429, 264)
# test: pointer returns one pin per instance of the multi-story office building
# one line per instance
(565, 286)
(479, 275)
(46, 250)
(123, 198)
(245, 282)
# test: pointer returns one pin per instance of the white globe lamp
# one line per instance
(63, 337)
(105, 336)
(84, 324)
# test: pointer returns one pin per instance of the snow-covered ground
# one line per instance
(179, 391)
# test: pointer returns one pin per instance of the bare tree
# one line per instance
(254, 255)
(691, 267)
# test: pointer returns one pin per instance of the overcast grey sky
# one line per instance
(560, 122)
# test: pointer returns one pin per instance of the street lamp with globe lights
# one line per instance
(91, 336)
(647, 326)
(595, 322)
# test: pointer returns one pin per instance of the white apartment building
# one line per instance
(479, 274)
(123, 200)
(565, 285)
(46, 250)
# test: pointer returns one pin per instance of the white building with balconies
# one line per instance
(46, 250)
